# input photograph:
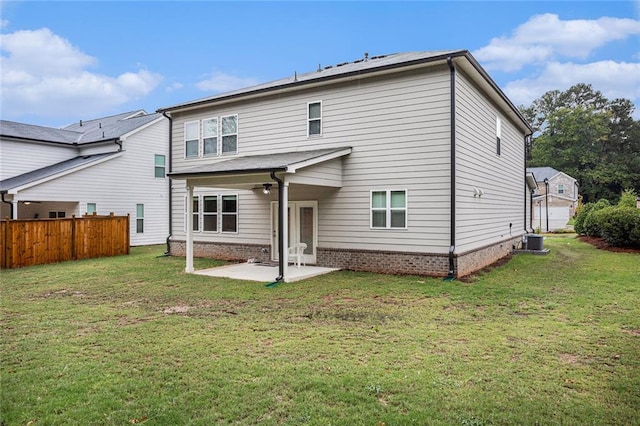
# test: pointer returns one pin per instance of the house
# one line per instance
(113, 164)
(554, 200)
(410, 163)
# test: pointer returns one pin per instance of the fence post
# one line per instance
(128, 246)
(74, 255)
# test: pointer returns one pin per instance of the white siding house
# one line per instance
(555, 198)
(386, 164)
(108, 165)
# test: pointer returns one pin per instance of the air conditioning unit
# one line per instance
(534, 242)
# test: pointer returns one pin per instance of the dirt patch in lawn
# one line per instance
(600, 243)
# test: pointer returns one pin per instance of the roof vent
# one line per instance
(343, 63)
(319, 67)
(80, 123)
(366, 56)
(328, 67)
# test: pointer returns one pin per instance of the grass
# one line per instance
(130, 340)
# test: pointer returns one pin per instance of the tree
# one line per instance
(589, 137)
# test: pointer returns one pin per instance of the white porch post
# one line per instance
(285, 230)
(14, 208)
(189, 243)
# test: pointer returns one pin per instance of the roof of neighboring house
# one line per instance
(287, 162)
(50, 171)
(98, 130)
(356, 69)
(542, 173)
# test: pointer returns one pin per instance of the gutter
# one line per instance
(169, 166)
(452, 97)
(10, 204)
(281, 207)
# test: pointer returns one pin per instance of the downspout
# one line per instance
(119, 143)
(10, 205)
(281, 207)
(167, 252)
(452, 97)
(526, 187)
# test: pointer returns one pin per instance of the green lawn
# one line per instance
(128, 340)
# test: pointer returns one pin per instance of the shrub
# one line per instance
(581, 214)
(587, 225)
(628, 198)
(619, 226)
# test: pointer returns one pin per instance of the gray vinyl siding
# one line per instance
(17, 158)
(118, 184)
(399, 130)
(484, 220)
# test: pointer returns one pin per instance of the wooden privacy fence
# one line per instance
(40, 241)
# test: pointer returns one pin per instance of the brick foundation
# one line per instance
(387, 262)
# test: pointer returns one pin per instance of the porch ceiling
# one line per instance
(251, 170)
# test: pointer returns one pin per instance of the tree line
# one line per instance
(589, 137)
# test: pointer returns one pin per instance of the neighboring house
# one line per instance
(558, 204)
(404, 163)
(108, 165)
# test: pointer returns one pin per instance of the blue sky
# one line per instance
(66, 61)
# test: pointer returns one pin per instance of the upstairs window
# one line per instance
(498, 135)
(314, 119)
(389, 209)
(210, 136)
(192, 139)
(229, 134)
(560, 189)
(159, 166)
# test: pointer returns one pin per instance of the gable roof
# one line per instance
(362, 67)
(86, 132)
(542, 173)
(51, 171)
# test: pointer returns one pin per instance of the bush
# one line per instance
(619, 226)
(628, 198)
(587, 225)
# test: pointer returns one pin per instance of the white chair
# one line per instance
(296, 254)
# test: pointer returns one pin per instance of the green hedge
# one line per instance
(618, 225)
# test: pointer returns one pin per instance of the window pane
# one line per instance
(315, 110)
(159, 172)
(139, 226)
(196, 204)
(229, 144)
(192, 148)
(52, 215)
(398, 219)
(379, 219)
(210, 128)
(210, 222)
(379, 199)
(229, 125)
(159, 160)
(229, 223)
(62, 214)
(229, 204)
(211, 146)
(196, 222)
(314, 127)
(191, 131)
(210, 204)
(398, 199)
(139, 210)
(91, 208)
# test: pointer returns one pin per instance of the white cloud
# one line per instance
(173, 87)
(46, 75)
(546, 37)
(220, 82)
(613, 79)
(4, 23)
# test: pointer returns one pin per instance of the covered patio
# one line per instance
(283, 169)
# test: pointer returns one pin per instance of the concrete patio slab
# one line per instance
(262, 273)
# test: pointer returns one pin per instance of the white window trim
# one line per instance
(199, 140)
(236, 134)
(219, 213)
(237, 213)
(218, 138)
(388, 209)
(309, 135)
(498, 136)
